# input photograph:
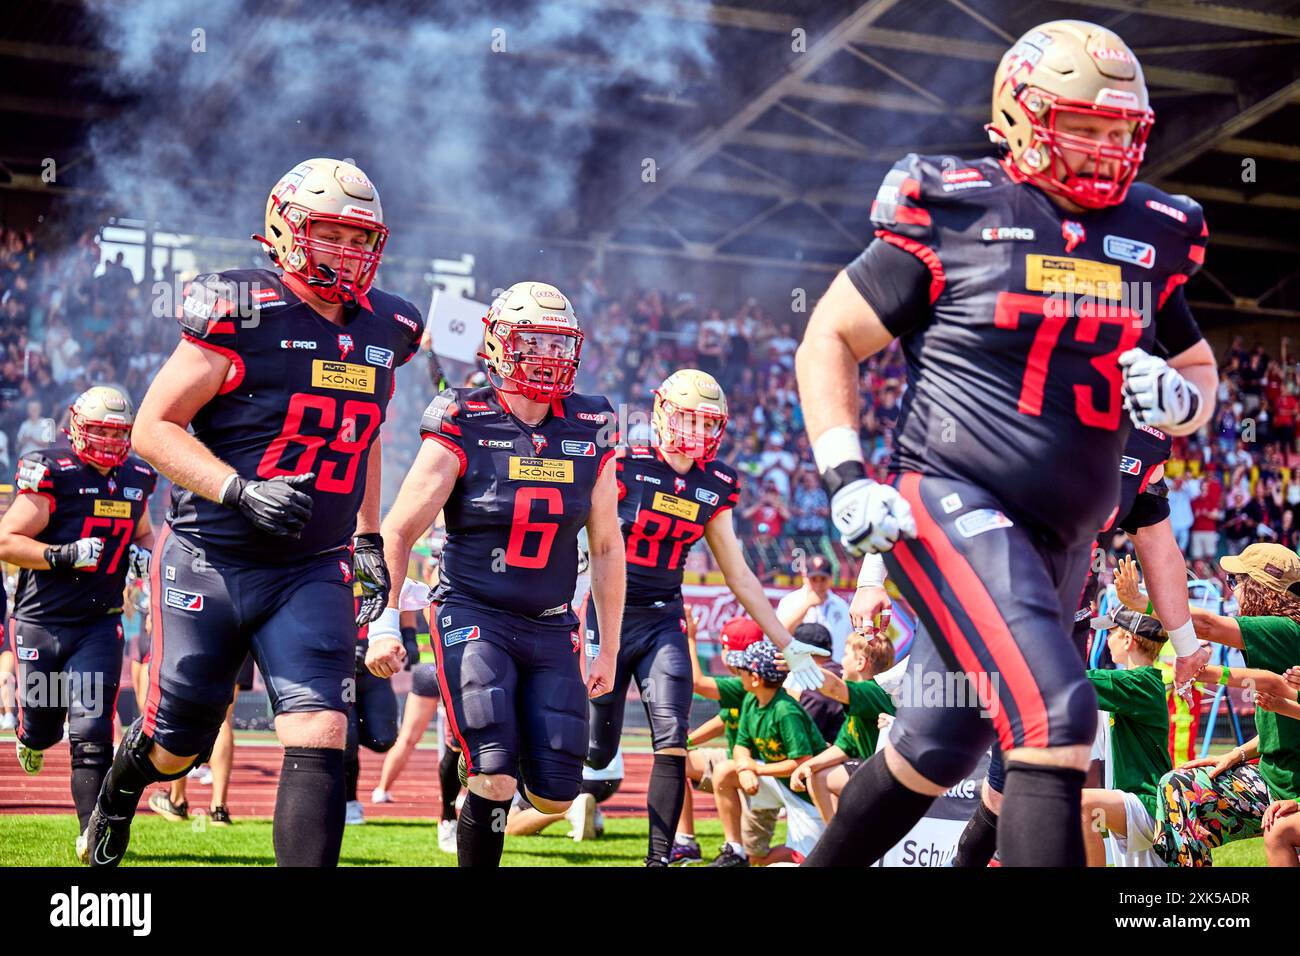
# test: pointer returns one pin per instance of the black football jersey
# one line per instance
(307, 396)
(84, 504)
(523, 495)
(663, 514)
(1013, 378)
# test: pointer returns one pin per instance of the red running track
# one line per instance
(257, 770)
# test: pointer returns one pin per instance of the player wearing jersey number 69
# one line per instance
(284, 375)
(518, 468)
(1006, 278)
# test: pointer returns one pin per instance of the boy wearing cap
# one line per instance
(1202, 808)
(706, 765)
(775, 736)
(862, 701)
(1138, 739)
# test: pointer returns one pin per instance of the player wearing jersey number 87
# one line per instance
(517, 470)
(284, 375)
(669, 496)
(1020, 357)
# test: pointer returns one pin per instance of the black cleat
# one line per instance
(729, 857)
(107, 837)
(219, 817)
(161, 804)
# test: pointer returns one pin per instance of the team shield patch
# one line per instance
(586, 449)
(1130, 250)
(460, 635)
(1130, 465)
(706, 496)
(977, 522)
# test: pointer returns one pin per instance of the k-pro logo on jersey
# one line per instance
(541, 469)
(112, 509)
(1130, 250)
(460, 635)
(343, 375)
(183, 600)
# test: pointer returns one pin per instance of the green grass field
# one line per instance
(47, 840)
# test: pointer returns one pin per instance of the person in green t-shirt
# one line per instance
(1138, 742)
(1201, 809)
(706, 765)
(824, 776)
(774, 737)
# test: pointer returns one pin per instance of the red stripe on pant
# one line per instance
(156, 637)
(975, 600)
(18, 697)
(447, 706)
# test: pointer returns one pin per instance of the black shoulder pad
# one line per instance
(437, 418)
(208, 298)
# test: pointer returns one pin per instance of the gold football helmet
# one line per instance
(690, 414)
(100, 426)
(1070, 66)
(323, 191)
(532, 341)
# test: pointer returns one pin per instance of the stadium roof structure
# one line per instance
(773, 157)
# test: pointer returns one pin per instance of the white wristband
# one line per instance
(836, 446)
(872, 574)
(387, 625)
(1184, 640)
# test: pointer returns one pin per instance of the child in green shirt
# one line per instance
(864, 700)
(774, 737)
(1138, 744)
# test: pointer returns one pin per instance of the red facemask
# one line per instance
(107, 451)
(693, 442)
(539, 371)
(327, 282)
(1114, 167)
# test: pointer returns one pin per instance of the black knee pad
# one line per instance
(135, 746)
(41, 737)
(942, 760)
(424, 681)
(378, 744)
(600, 754)
(602, 790)
(92, 754)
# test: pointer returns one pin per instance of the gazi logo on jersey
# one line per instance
(1130, 250)
(345, 347)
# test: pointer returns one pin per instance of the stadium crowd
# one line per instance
(76, 318)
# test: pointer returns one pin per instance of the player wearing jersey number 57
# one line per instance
(78, 526)
(1005, 278)
(284, 375)
(518, 468)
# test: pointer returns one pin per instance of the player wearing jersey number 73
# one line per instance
(1021, 361)
(517, 468)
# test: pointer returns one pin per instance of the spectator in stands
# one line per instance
(811, 509)
(1181, 517)
(813, 602)
(36, 431)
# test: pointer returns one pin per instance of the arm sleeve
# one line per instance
(1176, 328)
(895, 283)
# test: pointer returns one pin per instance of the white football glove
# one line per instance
(870, 516)
(804, 672)
(75, 555)
(31, 474)
(1157, 395)
(138, 562)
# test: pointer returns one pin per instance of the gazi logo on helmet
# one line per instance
(532, 342)
(690, 414)
(100, 426)
(325, 225)
(1070, 109)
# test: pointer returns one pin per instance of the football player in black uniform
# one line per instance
(1012, 284)
(518, 468)
(1143, 514)
(285, 376)
(79, 524)
(671, 495)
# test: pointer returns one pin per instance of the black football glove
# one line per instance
(372, 573)
(412, 645)
(276, 506)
